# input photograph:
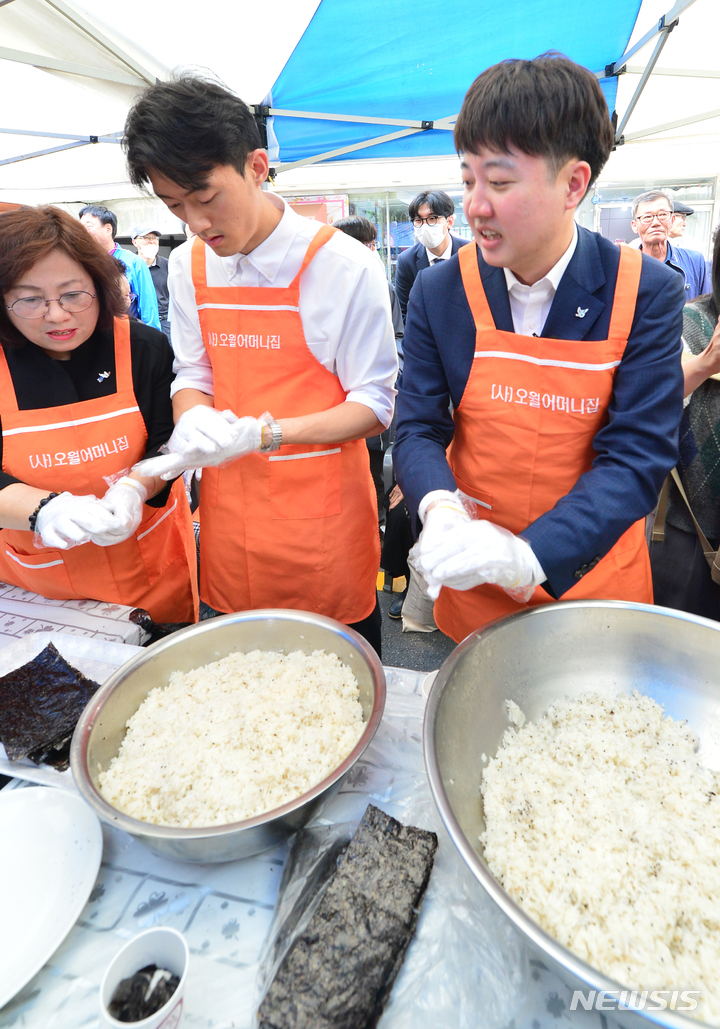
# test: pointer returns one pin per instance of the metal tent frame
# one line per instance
(122, 69)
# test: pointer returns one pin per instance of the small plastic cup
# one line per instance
(163, 947)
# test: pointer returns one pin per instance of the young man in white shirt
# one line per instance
(283, 367)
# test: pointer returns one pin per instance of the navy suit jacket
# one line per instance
(635, 449)
(412, 261)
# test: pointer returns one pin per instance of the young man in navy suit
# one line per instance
(432, 214)
(542, 389)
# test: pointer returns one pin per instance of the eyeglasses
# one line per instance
(432, 219)
(662, 216)
(372, 245)
(37, 307)
(147, 239)
(130, 297)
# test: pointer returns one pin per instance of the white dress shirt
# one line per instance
(344, 308)
(530, 305)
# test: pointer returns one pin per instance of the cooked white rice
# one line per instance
(235, 738)
(605, 828)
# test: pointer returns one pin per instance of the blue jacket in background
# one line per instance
(693, 267)
(141, 284)
(634, 451)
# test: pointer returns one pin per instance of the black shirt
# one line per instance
(41, 381)
(159, 273)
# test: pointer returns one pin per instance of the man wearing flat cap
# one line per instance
(146, 240)
(679, 222)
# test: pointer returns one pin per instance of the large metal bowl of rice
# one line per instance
(535, 658)
(102, 726)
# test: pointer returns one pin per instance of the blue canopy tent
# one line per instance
(372, 79)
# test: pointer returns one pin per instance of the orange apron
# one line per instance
(296, 528)
(70, 448)
(524, 433)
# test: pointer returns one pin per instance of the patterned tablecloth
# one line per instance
(467, 968)
(23, 614)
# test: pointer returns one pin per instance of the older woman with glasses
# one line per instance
(84, 395)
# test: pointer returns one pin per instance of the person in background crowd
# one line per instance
(560, 355)
(101, 223)
(84, 394)
(681, 213)
(363, 230)
(432, 214)
(681, 572)
(285, 362)
(652, 219)
(146, 240)
(128, 296)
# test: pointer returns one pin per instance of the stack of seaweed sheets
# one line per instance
(339, 970)
(40, 704)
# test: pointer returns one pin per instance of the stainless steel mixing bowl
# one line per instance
(539, 656)
(101, 728)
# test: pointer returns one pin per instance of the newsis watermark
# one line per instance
(635, 1000)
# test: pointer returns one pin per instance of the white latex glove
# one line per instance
(478, 552)
(124, 502)
(202, 438)
(67, 521)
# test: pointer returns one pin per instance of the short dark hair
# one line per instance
(358, 227)
(103, 214)
(549, 107)
(31, 233)
(438, 202)
(186, 127)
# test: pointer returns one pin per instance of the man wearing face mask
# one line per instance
(146, 241)
(432, 214)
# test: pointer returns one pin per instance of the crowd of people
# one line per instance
(539, 368)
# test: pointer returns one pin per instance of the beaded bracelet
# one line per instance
(33, 517)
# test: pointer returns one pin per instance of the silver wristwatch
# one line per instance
(275, 440)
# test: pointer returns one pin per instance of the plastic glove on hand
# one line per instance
(480, 552)
(202, 438)
(124, 502)
(439, 526)
(67, 521)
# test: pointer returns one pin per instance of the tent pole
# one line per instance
(619, 137)
(111, 137)
(692, 119)
(41, 153)
(344, 150)
(665, 24)
(69, 12)
(51, 64)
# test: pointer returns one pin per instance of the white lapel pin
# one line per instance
(581, 312)
(103, 375)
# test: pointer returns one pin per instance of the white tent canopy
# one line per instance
(72, 69)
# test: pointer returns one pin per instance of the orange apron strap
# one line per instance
(474, 291)
(8, 400)
(319, 240)
(626, 290)
(123, 361)
(199, 276)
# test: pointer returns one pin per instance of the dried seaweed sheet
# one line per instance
(40, 704)
(339, 971)
(143, 994)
